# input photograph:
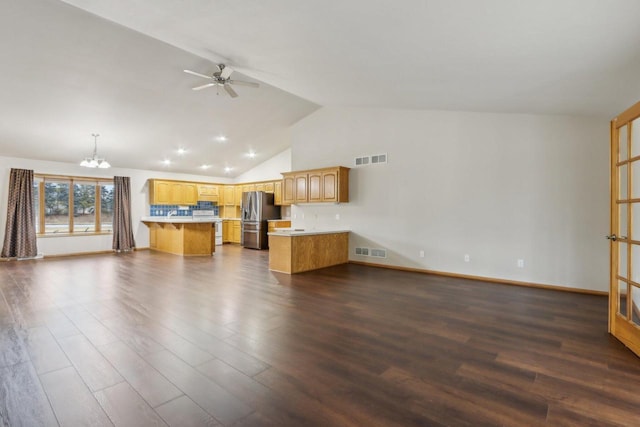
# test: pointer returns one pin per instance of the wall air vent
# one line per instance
(379, 253)
(379, 158)
(362, 161)
(362, 251)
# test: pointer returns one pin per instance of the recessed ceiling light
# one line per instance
(166, 162)
(221, 138)
(252, 154)
(227, 169)
(181, 150)
(205, 166)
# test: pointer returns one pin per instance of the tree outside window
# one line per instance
(84, 207)
(56, 208)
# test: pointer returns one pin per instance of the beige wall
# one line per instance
(498, 187)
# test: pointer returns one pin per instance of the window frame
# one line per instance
(98, 182)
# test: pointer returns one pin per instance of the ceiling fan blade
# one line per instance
(217, 70)
(230, 91)
(242, 83)
(196, 74)
(203, 86)
(226, 72)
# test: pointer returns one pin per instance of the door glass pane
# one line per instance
(622, 298)
(622, 218)
(622, 182)
(622, 140)
(635, 177)
(622, 259)
(635, 137)
(635, 304)
(635, 263)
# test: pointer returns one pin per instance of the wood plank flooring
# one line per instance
(151, 339)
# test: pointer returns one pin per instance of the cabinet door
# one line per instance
(301, 195)
(229, 195)
(269, 187)
(207, 193)
(161, 193)
(236, 232)
(238, 195)
(259, 187)
(315, 186)
(288, 190)
(329, 186)
(189, 194)
(277, 193)
(226, 231)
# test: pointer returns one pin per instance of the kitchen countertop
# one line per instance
(302, 232)
(178, 219)
(278, 220)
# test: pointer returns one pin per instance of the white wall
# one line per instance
(499, 187)
(270, 169)
(79, 244)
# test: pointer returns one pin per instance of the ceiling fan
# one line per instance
(221, 77)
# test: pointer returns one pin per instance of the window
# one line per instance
(72, 205)
(106, 207)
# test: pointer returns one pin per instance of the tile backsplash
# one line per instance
(163, 210)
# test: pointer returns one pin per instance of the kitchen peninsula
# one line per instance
(294, 251)
(181, 235)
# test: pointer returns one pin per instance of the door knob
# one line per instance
(612, 237)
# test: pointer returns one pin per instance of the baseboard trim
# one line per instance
(104, 252)
(484, 279)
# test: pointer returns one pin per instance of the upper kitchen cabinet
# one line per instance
(277, 193)
(172, 192)
(238, 195)
(316, 186)
(229, 195)
(208, 193)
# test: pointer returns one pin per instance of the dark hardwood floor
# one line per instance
(154, 339)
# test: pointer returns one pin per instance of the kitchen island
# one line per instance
(181, 235)
(294, 251)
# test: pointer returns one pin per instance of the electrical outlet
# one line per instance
(467, 258)
(421, 254)
(295, 216)
(338, 216)
(520, 263)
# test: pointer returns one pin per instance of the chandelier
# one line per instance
(95, 161)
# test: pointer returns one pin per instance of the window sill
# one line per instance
(93, 233)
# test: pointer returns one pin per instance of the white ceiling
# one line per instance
(67, 73)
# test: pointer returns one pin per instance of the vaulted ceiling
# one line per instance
(82, 66)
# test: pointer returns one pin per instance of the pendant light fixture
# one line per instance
(95, 162)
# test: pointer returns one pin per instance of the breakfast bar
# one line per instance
(294, 251)
(181, 235)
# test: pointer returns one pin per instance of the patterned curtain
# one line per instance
(20, 234)
(122, 232)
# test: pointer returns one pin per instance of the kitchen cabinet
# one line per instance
(259, 187)
(300, 185)
(277, 193)
(314, 181)
(208, 192)
(280, 223)
(316, 186)
(238, 195)
(226, 231)
(172, 193)
(229, 195)
(269, 187)
(237, 231)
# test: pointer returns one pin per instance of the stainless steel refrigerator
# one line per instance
(257, 208)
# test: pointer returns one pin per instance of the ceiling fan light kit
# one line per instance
(221, 77)
(94, 161)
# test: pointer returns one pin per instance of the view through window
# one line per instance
(73, 205)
